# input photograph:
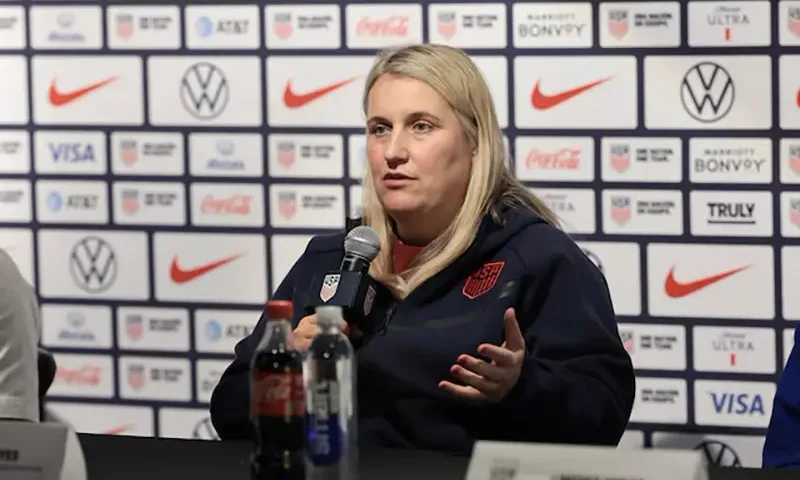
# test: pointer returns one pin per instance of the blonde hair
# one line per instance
(454, 76)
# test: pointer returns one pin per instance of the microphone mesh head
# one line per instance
(363, 241)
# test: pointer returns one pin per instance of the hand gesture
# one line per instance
(308, 328)
(490, 381)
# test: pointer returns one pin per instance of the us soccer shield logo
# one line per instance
(128, 152)
(620, 157)
(794, 158)
(283, 25)
(136, 377)
(618, 23)
(447, 24)
(286, 153)
(134, 326)
(621, 209)
(287, 203)
(482, 280)
(794, 211)
(329, 286)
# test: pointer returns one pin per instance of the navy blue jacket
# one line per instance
(782, 444)
(577, 383)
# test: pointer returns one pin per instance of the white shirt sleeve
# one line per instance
(20, 328)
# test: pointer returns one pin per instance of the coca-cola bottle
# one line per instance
(277, 402)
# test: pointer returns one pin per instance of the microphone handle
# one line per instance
(354, 263)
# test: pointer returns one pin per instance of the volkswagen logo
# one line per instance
(204, 91)
(719, 454)
(707, 92)
(93, 265)
(204, 430)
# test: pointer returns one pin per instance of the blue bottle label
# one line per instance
(326, 439)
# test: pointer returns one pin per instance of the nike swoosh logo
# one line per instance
(676, 289)
(541, 101)
(116, 430)
(181, 275)
(295, 100)
(59, 98)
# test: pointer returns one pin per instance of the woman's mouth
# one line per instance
(396, 180)
(396, 176)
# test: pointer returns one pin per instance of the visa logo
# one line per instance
(737, 403)
(72, 152)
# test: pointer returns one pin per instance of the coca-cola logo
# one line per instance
(85, 375)
(279, 393)
(233, 205)
(277, 388)
(566, 158)
(394, 26)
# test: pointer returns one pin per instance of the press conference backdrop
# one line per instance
(163, 165)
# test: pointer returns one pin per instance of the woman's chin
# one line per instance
(399, 203)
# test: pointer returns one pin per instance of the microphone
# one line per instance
(361, 246)
(366, 303)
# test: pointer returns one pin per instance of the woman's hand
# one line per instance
(490, 381)
(308, 328)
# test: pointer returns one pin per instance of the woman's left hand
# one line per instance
(491, 381)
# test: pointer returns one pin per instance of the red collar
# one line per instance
(402, 255)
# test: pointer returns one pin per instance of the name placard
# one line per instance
(531, 461)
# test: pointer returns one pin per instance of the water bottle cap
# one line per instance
(279, 309)
(329, 314)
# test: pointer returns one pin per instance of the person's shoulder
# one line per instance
(321, 249)
(14, 288)
(331, 242)
(7, 265)
(326, 243)
(9, 272)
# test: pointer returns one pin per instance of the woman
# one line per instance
(782, 442)
(456, 363)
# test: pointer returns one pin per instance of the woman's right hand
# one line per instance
(307, 329)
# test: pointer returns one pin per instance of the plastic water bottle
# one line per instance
(329, 371)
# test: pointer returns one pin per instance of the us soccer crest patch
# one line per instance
(482, 280)
(329, 286)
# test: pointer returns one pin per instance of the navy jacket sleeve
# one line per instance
(782, 444)
(577, 383)
(230, 401)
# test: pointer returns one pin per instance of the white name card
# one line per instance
(49, 450)
(532, 461)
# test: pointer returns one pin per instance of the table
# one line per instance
(144, 458)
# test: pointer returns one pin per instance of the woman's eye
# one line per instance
(422, 127)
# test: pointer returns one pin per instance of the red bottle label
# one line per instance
(278, 394)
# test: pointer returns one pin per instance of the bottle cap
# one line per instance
(329, 315)
(279, 310)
